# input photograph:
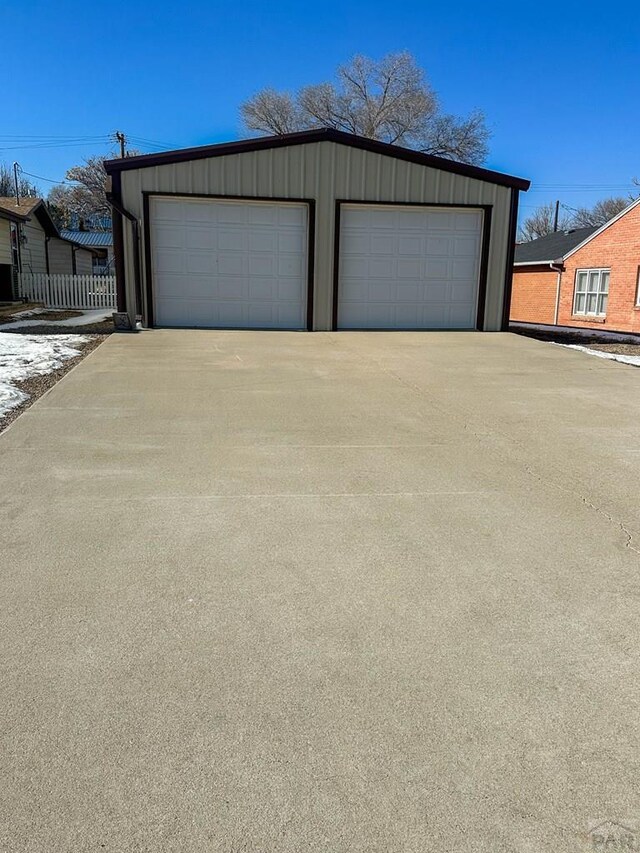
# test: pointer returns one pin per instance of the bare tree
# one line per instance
(84, 199)
(601, 212)
(540, 223)
(8, 187)
(390, 100)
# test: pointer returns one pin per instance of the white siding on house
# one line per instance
(325, 171)
(84, 262)
(5, 241)
(32, 251)
(60, 256)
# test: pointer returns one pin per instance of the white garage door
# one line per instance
(228, 264)
(408, 267)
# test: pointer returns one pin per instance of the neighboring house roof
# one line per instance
(29, 208)
(32, 207)
(324, 134)
(604, 227)
(9, 209)
(551, 248)
(562, 244)
(91, 239)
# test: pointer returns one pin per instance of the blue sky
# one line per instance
(558, 82)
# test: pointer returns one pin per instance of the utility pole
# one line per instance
(16, 183)
(555, 218)
(120, 137)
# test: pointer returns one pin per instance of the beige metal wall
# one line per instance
(325, 171)
(5, 242)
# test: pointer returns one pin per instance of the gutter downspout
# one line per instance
(135, 229)
(557, 266)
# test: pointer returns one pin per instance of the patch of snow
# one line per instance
(23, 356)
(88, 317)
(612, 356)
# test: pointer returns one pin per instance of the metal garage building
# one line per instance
(316, 230)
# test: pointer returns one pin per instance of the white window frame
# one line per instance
(601, 294)
(638, 289)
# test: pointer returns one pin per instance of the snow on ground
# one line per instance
(29, 318)
(23, 356)
(613, 356)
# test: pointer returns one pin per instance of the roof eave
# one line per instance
(603, 228)
(145, 161)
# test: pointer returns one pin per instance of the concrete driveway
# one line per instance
(326, 592)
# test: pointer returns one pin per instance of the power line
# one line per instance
(41, 178)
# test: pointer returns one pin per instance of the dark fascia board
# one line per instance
(262, 143)
(12, 217)
(44, 218)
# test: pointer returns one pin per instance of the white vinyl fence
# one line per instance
(69, 291)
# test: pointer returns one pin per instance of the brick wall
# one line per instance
(533, 296)
(618, 249)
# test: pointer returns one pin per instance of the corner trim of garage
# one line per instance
(484, 251)
(118, 244)
(311, 240)
(511, 251)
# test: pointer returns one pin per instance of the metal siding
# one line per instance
(326, 171)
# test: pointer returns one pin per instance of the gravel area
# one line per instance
(36, 386)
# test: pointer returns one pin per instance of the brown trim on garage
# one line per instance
(511, 251)
(311, 239)
(486, 209)
(484, 266)
(336, 265)
(325, 134)
(118, 244)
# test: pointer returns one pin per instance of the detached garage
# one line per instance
(318, 230)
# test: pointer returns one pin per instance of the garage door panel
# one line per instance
(229, 240)
(382, 268)
(382, 245)
(409, 268)
(436, 268)
(410, 245)
(463, 268)
(199, 263)
(168, 262)
(421, 269)
(229, 263)
(170, 237)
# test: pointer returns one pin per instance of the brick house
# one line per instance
(586, 278)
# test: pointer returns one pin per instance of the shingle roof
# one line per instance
(552, 247)
(95, 239)
(23, 210)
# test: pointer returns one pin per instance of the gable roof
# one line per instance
(551, 248)
(10, 209)
(90, 239)
(605, 226)
(30, 207)
(323, 134)
(546, 250)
